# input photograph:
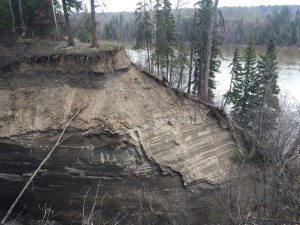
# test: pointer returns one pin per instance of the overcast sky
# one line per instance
(130, 5)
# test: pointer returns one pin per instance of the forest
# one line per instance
(182, 47)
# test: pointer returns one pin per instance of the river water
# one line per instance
(288, 69)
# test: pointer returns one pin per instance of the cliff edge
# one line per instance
(137, 137)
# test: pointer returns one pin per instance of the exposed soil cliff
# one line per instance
(139, 140)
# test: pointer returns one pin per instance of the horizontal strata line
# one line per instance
(192, 127)
(176, 128)
(210, 145)
(157, 136)
(197, 139)
(219, 162)
(184, 164)
(209, 137)
(215, 152)
(196, 153)
(201, 159)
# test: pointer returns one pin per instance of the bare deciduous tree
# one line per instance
(208, 51)
(21, 18)
(68, 26)
(267, 191)
(54, 16)
(13, 18)
(94, 25)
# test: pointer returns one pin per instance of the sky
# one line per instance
(130, 5)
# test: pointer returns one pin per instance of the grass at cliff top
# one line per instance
(60, 47)
(34, 48)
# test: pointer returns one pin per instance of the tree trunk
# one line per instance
(180, 76)
(200, 75)
(55, 21)
(227, 96)
(68, 26)
(152, 40)
(13, 18)
(94, 25)
(208, 51)
(21, 19)
(191, 55)
(167, 69)
(171, 68)
(157, 65)
(148, 55)
(261, 116)
(147, 41)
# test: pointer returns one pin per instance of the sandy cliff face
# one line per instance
(139, 139)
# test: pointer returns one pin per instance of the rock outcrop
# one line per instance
(152, 154)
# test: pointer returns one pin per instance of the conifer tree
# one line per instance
(144, 29)
(171, 38)
(159, 38)
(254, 90)
(235, 93)
(181, 61)
(215, 62)
(249, 101)
(268, 87)
(165, 36)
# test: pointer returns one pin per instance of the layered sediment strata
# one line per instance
(137, 141)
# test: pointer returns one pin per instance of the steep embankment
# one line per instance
(134, 133)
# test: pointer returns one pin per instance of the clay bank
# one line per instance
(139, 153)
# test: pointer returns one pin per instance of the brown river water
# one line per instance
(288, 70)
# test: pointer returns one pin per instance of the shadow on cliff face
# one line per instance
(51, 80)
(66, 189)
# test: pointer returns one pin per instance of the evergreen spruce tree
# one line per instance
(181, 61)
(6, 17)
(107, 32)
(236, 89)
(159, 35)
(254, 90)
(215, 62)
(251, 86)
(144, 30)
(268, 88)
(171, 38)
(165, 37)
